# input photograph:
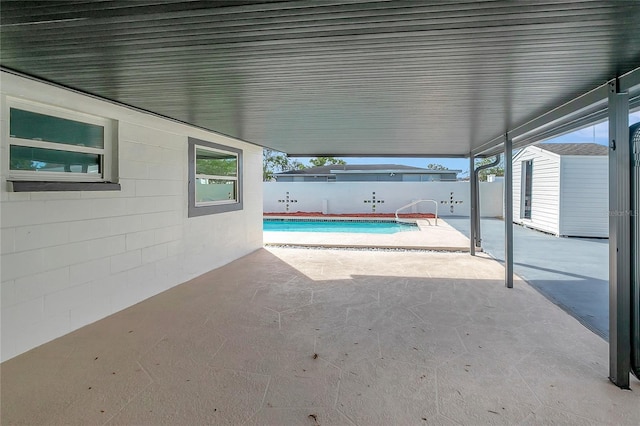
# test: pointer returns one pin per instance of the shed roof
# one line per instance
(574, 148)
(340, 77)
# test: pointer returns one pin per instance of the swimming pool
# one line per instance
(359, 227)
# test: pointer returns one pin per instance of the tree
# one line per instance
(323, 161)
(217, 166)
(276, 162)
(495, 170)
(433, 166)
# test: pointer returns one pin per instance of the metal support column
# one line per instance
(508, 212)
(473, 202)
(619, 238)
(476, 177)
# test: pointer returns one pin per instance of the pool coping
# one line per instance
(331, 218)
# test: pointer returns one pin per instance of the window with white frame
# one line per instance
(56, 145)
(215, 178)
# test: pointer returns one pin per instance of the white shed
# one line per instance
(562, 188)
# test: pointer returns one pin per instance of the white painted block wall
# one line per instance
(349, 197)
(71, 258)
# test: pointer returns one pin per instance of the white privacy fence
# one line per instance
(379, 197)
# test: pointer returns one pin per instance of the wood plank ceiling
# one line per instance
(330, 77)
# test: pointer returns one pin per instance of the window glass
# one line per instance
(527, 168)
(50, 160)
(214, 163)
(215, 178)
(215, 190)
(41, 127)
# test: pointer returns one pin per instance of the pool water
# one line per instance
(337, 226)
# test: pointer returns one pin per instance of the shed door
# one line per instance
(525, 195)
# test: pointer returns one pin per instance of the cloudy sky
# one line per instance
(598, 134)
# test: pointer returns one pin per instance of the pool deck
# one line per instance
(575, 277)
(440, 237)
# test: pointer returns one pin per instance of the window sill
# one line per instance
(42, 186)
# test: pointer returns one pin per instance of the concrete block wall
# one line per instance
(71, 258)
(350, 197)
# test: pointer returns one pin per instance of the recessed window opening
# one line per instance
(52, 144)
(215, 178)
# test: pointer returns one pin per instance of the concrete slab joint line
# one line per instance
(388, 338)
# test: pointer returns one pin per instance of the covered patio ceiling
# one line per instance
(331, 77)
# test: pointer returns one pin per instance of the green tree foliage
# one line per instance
(496, 170)
(23, 164)
(217, 166)
(323, 161)
(276, 162)
(433, 166)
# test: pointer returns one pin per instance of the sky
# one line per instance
(598, 134)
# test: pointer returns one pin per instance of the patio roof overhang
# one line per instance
(340, 77)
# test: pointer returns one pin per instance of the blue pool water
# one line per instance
(337, 226)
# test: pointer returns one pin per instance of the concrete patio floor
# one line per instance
(575, 276)
(327, 337)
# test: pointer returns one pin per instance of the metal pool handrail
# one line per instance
(413, 204)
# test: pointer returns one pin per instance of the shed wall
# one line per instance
(71, 258)
(584, 196)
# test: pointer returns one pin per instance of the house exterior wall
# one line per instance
(350, 197)
(312, 179)
(584, 196)
(301, 178)
(368, 177)
(71, 258)
(545, 198)
(429, 177)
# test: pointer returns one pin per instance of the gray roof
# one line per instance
(574, 148)
(331, 169)
(314, 78)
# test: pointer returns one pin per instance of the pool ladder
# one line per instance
(413, 203)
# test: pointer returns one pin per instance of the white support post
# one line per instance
(508, 212)
(472, 202)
